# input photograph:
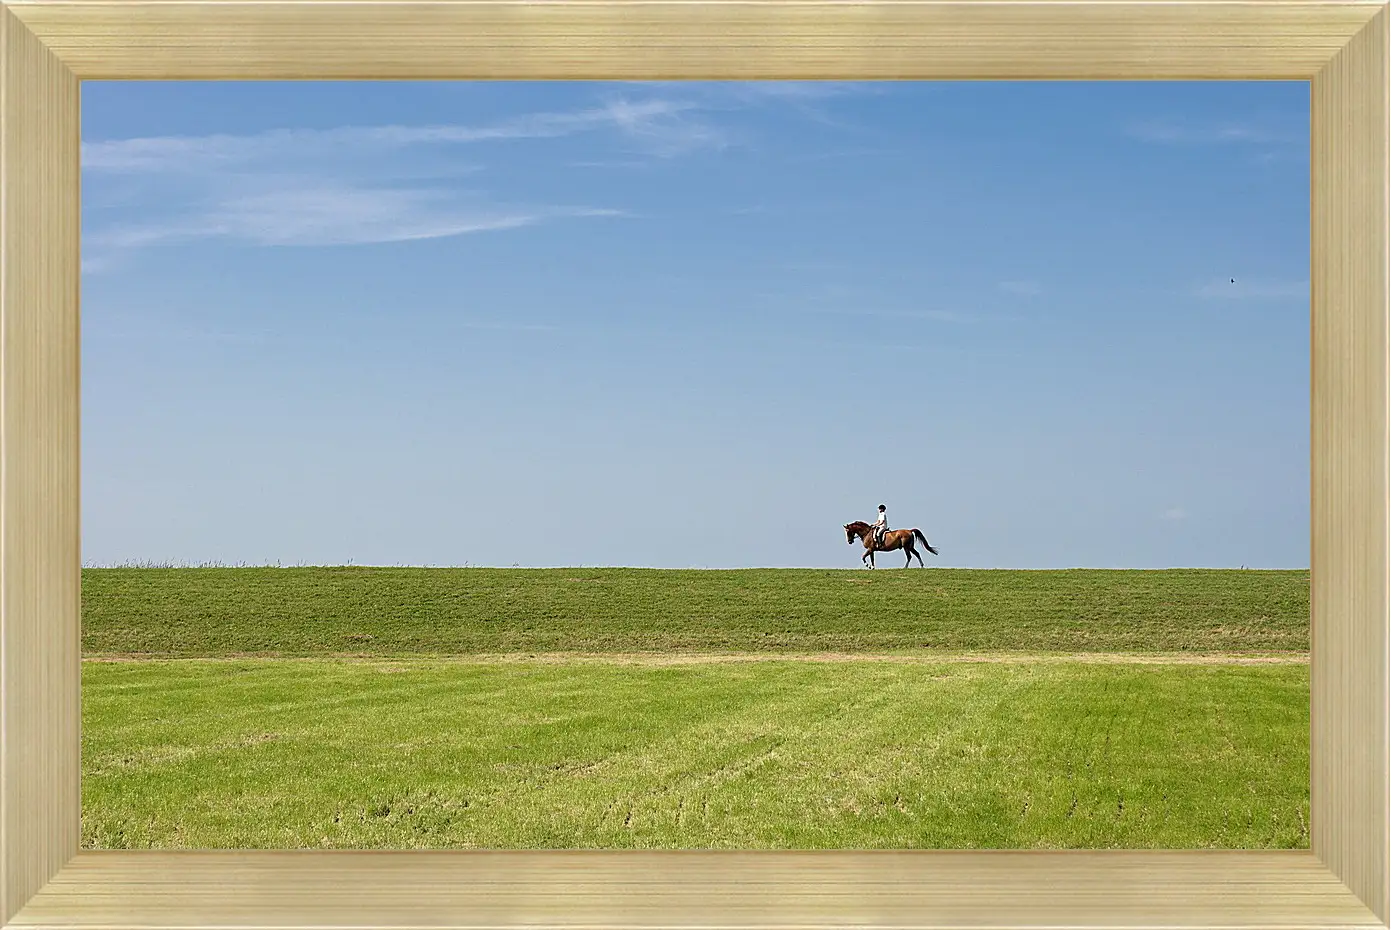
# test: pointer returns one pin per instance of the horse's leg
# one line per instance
(908, 551)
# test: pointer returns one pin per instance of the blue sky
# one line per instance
(695, 325)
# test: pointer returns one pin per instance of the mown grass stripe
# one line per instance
(765, 755)
(620, 658)
(408, 611)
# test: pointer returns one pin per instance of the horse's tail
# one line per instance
(919, 533)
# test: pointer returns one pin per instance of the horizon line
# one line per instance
(134, 564)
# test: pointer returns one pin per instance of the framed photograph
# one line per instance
(48, 48)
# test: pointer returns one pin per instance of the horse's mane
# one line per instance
(857, 524)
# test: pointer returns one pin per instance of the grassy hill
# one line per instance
(212, 612)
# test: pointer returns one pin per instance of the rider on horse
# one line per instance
(881, 526)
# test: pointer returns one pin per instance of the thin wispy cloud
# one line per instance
(343, 186)
(662, 124)
(765, 91)
(349, 185)
(1268, 144)
(1244, 289)
(810, 99)
(673, 131)
(803, 90)
(319, 214)
(805, 97)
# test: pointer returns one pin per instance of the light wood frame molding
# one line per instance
(47, 47)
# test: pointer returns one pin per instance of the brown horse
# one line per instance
(893, 539)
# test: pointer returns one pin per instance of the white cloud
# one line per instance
(666, 134)
(810, 99)
(345, 216)
(660, 123)
(769, 91)
(354, 184)
(341, 186)
(320, 214)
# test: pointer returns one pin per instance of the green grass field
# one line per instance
(369, 611)
(1097, 709)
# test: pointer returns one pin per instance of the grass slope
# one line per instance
(772, 754)
(211, 612)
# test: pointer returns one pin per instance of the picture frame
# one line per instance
(48, 47)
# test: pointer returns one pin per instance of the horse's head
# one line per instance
(852, 531)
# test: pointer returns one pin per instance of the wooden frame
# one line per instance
(47, 47)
